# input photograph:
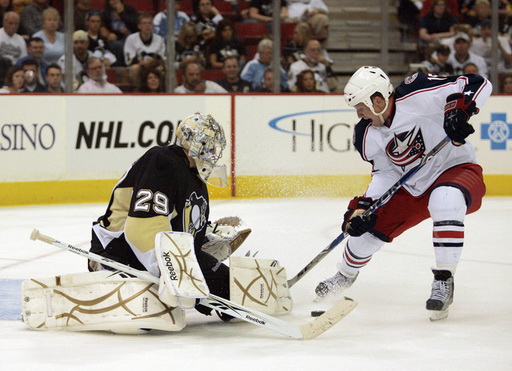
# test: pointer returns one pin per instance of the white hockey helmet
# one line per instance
(365, 82)
(204, 139)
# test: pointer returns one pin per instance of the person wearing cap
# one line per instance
(482, 46)
(462, 55)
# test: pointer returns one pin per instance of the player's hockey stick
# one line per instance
(305, 332)
(377, 204)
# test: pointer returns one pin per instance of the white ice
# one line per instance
(388, 330)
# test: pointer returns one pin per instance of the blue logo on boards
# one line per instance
(497, 131)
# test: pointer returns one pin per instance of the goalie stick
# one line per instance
(377, 204)
(305, 332)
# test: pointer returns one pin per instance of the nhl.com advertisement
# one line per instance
(91, 137)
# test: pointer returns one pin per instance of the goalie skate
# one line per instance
(334, 285)
(442, 294)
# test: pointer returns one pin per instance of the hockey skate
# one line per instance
(334, 285)
(442, 294)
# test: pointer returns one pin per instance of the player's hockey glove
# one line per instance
(456, 116)
(354, 223)
(224, 237)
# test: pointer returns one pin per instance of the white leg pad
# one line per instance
(97, 301)
(260, 284)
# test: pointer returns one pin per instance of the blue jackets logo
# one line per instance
(498, 131)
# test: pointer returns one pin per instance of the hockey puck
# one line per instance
(317, 313)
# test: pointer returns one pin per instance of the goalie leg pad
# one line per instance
(97, 301)
(181, 278)
(260, 284)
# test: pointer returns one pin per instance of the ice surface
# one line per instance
(389, 330)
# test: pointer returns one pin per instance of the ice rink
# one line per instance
(388, 330)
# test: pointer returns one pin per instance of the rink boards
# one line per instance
(69, 148)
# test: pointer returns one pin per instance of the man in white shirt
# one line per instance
(310, 61)
(12, 45)
(462, 56)
(143, 49)
(193, 82)
(97, 83)
(482, 46)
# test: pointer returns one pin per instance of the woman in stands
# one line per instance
(152, 81)
(14, 80)
(226, 44)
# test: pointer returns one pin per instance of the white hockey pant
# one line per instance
(447, 207)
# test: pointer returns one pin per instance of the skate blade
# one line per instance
(437, 315)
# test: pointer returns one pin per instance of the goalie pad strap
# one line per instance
(260, 284)
(97, 301)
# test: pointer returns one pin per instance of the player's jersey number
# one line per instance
(146, 199)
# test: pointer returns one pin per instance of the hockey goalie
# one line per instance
(157, 221)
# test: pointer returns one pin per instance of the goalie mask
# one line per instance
(364, 83)
(203, 138)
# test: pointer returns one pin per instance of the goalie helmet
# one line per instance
(365, 82)
(204, 139)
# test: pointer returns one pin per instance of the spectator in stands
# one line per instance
(82, 7)
(462, 56)
(232, 82)
(54, 79)
(434, 26)
(31, 76)
(470, 68)
(438, 63)
(12, 45)
(459, 27)
(310, 61)
(54, 44)
(14, 80)
(253, 71)
(118, 21)
(81, 54)
(226, 44)
(453, 6)
(160, 20)
(408, 13)
(5, 6)
(481, 46)
(97, 83)
(193, 82)
(97, 44)
(187, 47)
(314, 12)
(480, 12)
(294, 48)
(267, 83)
(206, 17)
(506, 84)
(144, 49)
(35, 49)
(306, 83)
(31, 18)
(262, 10)
(152, 81)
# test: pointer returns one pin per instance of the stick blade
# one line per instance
(331, 317)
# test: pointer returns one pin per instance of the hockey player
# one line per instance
(396, 129)
(157, 221)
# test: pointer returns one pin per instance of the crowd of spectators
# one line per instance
(454, 36)
(120, 46)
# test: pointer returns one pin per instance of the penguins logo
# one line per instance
(405, 148)
(194, 214)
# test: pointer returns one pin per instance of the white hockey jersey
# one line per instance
(413, 129)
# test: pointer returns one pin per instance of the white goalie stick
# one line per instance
(381, 201)
(304, 332)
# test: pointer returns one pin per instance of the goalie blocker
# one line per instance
(113, 301)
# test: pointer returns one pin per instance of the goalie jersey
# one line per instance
(160, 192)
(414, 127)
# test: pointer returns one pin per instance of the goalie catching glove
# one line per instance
(225, 236)
(456, 116)
(354, 222)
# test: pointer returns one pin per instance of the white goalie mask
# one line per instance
(204, 139)
(365, 82)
